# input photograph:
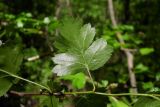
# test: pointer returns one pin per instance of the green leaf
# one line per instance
(140, 68)
(10, 60)
(147, 85)
(146, 51)
(78, 50)
(49, 101)
(86, 37)
(147, 102)
(5, 85)
(78, 80)
(117, 103)
(70, 31)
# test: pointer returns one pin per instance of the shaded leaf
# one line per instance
(147, 102)
(47, 101)
(10, 60)
(140, 68)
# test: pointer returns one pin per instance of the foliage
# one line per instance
(147, 102)
(33, 40)
(11, 58)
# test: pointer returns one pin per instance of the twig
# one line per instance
(22, 94)
(36, 57)
(128, 54)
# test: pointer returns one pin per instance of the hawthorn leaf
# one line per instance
(78, 80)
(70, 31)
(97, 54)
(66, 63)
(78, 49)
(65, 59)
(74, 37)
(61, 44)
(87, 34)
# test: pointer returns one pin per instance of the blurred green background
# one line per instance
(29, 27)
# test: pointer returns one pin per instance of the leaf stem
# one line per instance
(13, 75)
(154, 96)
(90, 76)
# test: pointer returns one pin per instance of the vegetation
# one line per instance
(78, 53)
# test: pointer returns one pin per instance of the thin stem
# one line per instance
(13, 75)
(72, 93)
(90, 76)
(154, 96)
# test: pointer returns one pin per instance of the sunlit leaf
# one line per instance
(78, 80)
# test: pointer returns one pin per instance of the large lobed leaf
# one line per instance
(79, 50)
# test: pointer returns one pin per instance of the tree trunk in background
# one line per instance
(58, 8)
(128, 54)
(63, 4)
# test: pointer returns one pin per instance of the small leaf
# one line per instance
(146, 51)
(78, 80)
(140, 68)
(104, 83)
(117, 103)
(147, 85)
